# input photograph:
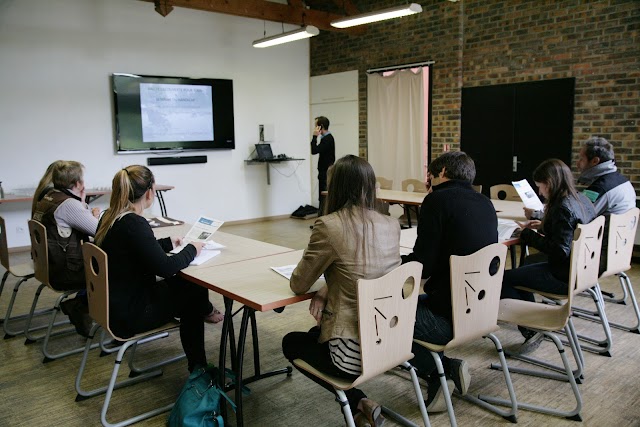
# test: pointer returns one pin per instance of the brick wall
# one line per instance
(479, 43)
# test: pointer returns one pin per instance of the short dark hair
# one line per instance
(456, 164)
(596, 146)
(323, 122)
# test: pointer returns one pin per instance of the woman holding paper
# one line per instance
(138, 303)
(351, 241)
(565, 209)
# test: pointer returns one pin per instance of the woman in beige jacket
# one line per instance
(351, 241)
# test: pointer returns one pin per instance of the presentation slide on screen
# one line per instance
(173, 112)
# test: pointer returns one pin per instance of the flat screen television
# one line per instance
(154, 113)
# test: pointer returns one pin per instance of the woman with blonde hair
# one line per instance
(351, 241)
(137, 303)
(59, 204)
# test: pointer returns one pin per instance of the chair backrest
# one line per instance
(476, 281)
(585, 255)
(39, 251)
(384, 183)
(96, 273)
(504, 192)
(622, 233)
(386, 316)
(414, 185)
(478, 188)
(4, 247)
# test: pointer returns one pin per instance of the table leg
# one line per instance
(512, 252)
(163, 208)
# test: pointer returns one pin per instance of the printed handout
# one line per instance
(507, 229)
(202, 231)
(287, 270)
(528, 196)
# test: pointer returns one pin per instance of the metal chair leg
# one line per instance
(445, 388)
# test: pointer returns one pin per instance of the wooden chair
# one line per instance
(478, 188)
(386, 316)
(97, 273)
(414, 185)
(22, 272)
(476, 281)
(622, 232)
(40, 255)
(546, 319)
(504, 192)
(384, 183)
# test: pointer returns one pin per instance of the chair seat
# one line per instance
(532, 314)
(429, 346)
(170, 325)
(456, 343)
(336, 382)
(22, 270)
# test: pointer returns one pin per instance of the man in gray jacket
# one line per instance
(609, 191)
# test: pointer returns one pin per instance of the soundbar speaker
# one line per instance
(157, 161)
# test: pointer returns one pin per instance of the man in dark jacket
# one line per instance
(323, 144)
(454, 220)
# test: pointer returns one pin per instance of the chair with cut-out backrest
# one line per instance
(40, 256)
(504, 192)
(22, 272)
(97, 276)
(476, 282)
(384, 183)
(619, 250)
(545, 318)
(478, 188)
(386, 316)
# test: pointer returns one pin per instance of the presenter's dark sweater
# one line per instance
(135, 259)
(454, 220)
(327, 151)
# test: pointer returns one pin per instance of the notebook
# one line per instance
(264, 152)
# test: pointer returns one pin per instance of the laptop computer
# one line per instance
(264, 152)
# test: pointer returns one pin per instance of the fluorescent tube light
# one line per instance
(381, 15)
(289, 36)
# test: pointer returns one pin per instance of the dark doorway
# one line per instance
(510, 129)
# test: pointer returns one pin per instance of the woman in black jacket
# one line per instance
(565, 209)
(137, 302)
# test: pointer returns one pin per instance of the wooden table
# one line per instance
(508, 209)
(405, 198)
(257, 287)
(92, 195)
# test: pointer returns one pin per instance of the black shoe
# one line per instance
(78, 313)
(435, 396)
(458, 371)
(530, 344)
(298, 212)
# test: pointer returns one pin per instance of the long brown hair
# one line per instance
(557, 175)
(45, 182)
(128, 186)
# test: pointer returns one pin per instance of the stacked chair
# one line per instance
(386, 316)
(97, 273)
(504, 192)
(545, 318)
(476, 281)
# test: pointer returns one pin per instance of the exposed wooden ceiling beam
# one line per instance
(294, 13)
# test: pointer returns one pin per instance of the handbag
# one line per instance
(198, 404)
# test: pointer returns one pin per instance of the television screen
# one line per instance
(172, 113)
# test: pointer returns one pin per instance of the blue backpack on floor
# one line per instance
(199, 402)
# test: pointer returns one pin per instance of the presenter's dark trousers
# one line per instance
(322, 186)
(305, 346)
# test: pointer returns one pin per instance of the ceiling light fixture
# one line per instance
(381, 15)
(290, 36)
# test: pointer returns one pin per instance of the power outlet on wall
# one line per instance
(19, 230)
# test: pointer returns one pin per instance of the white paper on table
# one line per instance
(210, 245)
(286, 271)
(506, 227)
(528, 196)
(205, 255)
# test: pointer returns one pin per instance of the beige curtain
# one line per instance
(395, 114)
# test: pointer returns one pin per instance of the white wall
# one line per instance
(56, 103)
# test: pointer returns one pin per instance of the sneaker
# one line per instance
(435, 400)
(459, 372)
(530, 345)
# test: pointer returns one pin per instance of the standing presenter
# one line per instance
(323, 144)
